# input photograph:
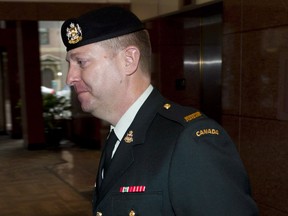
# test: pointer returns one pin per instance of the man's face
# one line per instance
(96, 76)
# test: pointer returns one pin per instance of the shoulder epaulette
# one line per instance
(179, 113)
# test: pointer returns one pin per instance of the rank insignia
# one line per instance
(192, 116)
(129, 137)
(74, 33)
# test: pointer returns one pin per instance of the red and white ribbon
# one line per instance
(132, 189)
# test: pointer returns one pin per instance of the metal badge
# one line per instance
(132, 213)
(74, 33)
(129, 137)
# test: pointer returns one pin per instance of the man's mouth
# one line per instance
(79, 90)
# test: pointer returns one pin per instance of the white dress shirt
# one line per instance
(128, 117)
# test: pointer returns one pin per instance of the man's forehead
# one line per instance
(86, 50)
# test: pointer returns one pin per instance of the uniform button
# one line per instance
(167, 106)
(99, 214)
(132, 213)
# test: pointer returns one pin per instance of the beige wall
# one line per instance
(146, 9)
(151, 8)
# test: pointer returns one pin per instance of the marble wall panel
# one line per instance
(232, 18)
(262, 54)
(264, 151)
(256, 33)
(231, 125)
(259, 14)
(231, 78)
(270, 211)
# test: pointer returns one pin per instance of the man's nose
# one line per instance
(72, 76)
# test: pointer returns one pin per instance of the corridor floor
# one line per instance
(46, 182)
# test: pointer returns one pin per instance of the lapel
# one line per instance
(99, 172)
(124, 156)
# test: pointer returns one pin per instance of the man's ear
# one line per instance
(132, 57)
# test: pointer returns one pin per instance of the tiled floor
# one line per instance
(46, 182)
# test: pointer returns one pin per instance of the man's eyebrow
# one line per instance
(70, 56)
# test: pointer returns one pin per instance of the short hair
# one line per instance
(140, 39)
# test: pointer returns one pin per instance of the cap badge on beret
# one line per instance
(74, 33)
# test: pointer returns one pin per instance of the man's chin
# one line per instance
(85, 108)
(83, 98)
(83, 103)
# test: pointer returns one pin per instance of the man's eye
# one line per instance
(81, 63)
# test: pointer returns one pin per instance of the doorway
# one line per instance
(187, 62)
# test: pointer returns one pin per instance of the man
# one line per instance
(166, 159)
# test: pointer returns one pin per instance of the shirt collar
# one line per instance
(128, 117)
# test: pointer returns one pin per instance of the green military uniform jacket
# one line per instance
(174, 161)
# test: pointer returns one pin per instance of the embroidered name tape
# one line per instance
(132, 189)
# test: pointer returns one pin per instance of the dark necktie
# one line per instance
(109, 146)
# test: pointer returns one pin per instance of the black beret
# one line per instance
(98, 25)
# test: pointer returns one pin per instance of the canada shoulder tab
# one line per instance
(181, 114)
